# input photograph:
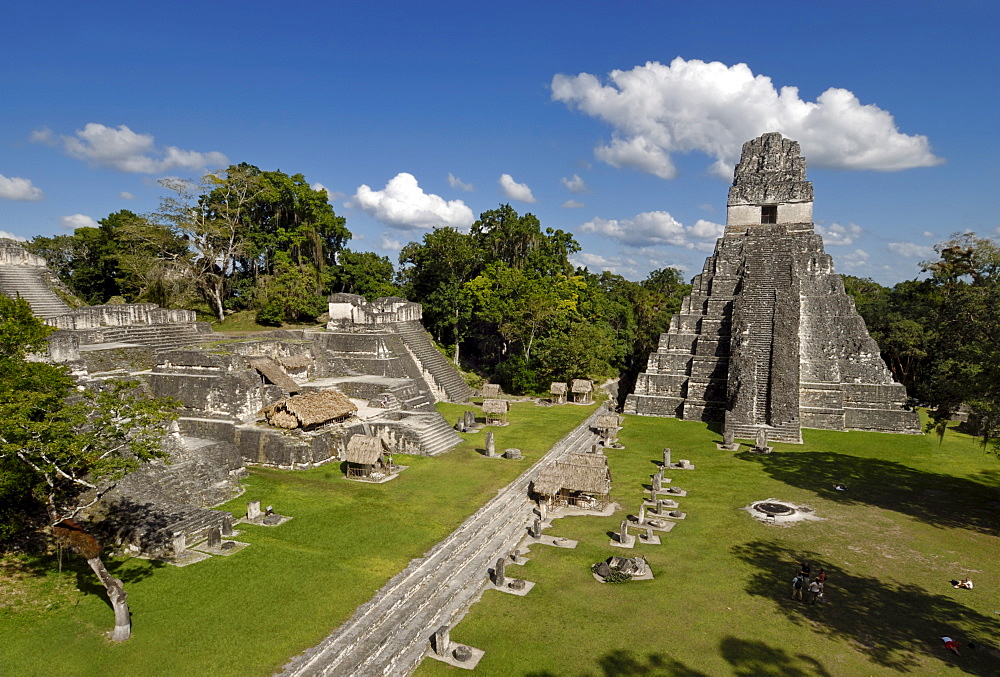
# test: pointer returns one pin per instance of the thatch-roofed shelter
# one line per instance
(368, 458)
(607, 426)
(558, 392)
(581, 480)
(583, 390)
(273, 373)
(495, 411)
(310, 410)
(296, 364)
(491, 391)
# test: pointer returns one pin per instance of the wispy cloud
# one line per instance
(656, 228)
(836, 235)
(911, 249)
(656, 110)
(573, 204)
(16, 188)
(122, 149)
(516, 191)
(575, 184)
(456, 182)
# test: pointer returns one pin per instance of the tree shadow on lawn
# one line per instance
(624, 663)
(940, 500)
(892, 624)
(757, 659)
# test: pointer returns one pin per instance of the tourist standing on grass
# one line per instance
(798, 583)
(804, 569)
(815, 588)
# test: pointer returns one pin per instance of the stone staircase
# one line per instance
(159, 337)
(428, 430)
(445, 376)
(29, 284)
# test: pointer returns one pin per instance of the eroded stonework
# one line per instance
(768, 339)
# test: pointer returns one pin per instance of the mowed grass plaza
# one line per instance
(917, 513)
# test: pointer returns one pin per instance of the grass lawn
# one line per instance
(915, 515)
(249, 613)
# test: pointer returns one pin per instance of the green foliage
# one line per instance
(58, 441)
(364, 273)
(287, 295)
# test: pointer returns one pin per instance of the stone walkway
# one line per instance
(389, 634)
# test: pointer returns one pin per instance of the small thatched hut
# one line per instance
(309, 410)
(296, 365)
(607, 426)
(368, 458)
(558, 392)
(495, 411)
(583, 390)
(491, 391)
(581, 480)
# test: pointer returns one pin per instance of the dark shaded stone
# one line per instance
(272, 519)
(516, 584)
(603, 570)
(462, 653)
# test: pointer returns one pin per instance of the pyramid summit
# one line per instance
(768, 340)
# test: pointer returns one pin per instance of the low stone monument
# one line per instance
(666, 457)
(470, 419)
(253, 510)
(462, 653)
(728, 441)
(760, 446)
(440, 641)
(512, 454)
(179, 544)
(214, 538)
(498, 573)
(657, 483)
(491, 449)
(227, 525)
(536, 529)
(642, 514)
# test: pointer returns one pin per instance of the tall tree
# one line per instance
(63, 447)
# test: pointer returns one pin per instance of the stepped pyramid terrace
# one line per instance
(769, 340)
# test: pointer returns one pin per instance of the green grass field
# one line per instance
(915, 516)
(247, 614)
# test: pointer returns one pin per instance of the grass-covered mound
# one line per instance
(915, 515)
(249, 613)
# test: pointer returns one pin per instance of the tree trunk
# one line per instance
(118, 597)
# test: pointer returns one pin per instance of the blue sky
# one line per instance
(619, 122)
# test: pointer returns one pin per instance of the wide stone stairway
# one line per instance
(419, 344)
(389, 634)
(29, 284)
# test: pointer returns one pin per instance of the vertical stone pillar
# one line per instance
(666, 457)
(253, 510)
(642, 514)
(623, 532)
(180, 544)
(498, 573)
(491, 449)
(440, 641)
(214, 538)
(227, 525)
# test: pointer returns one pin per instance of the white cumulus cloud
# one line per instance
(836, 235)
(330, 194)
(10, 236)
(74, 221)
(911, 249)
(456, 182)
(127, 151)
(125, 195)
(656, 228)
(516, 191)
(656, 110)
(16, 188)
(404, 205)
(575, 184)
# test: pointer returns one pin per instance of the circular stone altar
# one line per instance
(775, 511)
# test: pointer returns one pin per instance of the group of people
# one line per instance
(802, 583)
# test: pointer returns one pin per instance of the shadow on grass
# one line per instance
(624, 663)
(893, 624)
(757, 659)
(940, 500)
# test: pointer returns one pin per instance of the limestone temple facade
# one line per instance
(768, 339)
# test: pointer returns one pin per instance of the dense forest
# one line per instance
(503, 299)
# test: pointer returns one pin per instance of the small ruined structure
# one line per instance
(607, 427)
(768, 338)
(495, 411)
(367, 458)
(310, 410)
(491, 391)
(558, 392)
(272, 373)
(579, 480)
(583, 391)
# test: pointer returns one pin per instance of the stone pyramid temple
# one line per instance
(768, 339)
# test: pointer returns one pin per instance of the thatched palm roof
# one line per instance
(490, 390)
(557, 388)
(607, 421)
(270, 370)
(295, 361)
(364, 449)
(496, 406)
(309, 409)
(582, 385)
(575, 472)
